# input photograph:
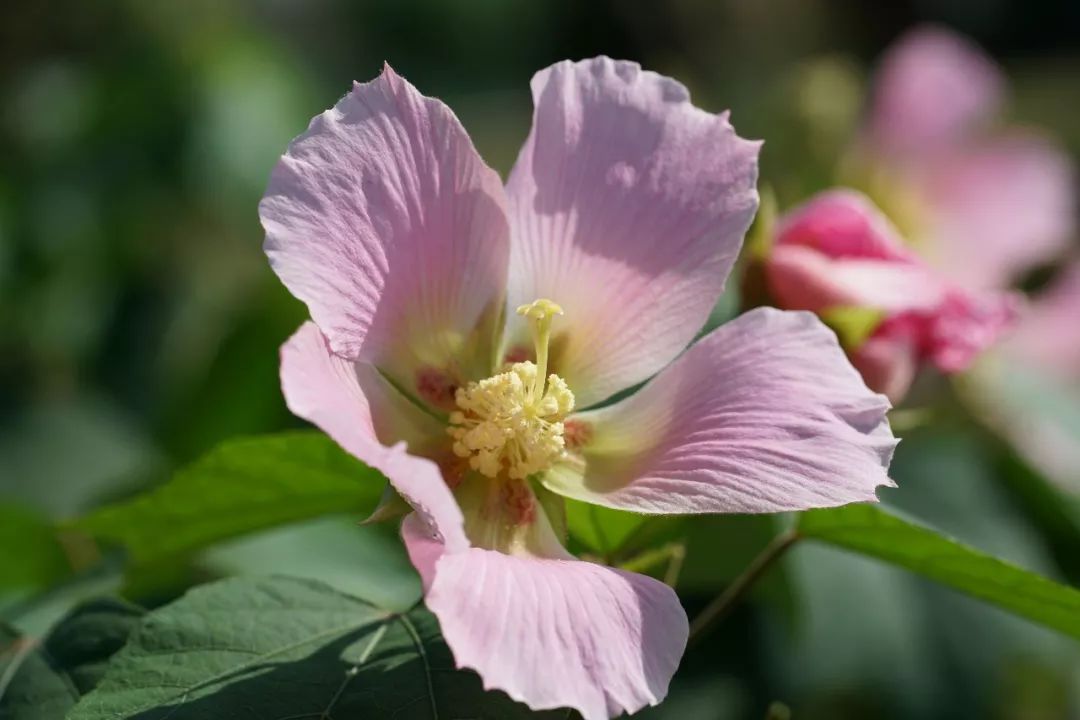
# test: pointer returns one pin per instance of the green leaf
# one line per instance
(870, 531)
(40, 559)
(241, 486)
(285, 647)
(43, 682)
(368, 561)
(599, 529)
(1053, 514)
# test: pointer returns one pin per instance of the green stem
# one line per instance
(723, 603)
(673, 554)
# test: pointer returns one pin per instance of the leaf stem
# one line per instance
(674, 554)
(723, 602)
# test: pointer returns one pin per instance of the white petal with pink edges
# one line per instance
(628, 206)
(553, 632)
(385, 221)
(765, 414)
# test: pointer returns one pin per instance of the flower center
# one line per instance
(513, 421)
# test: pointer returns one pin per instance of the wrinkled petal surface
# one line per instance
(999, 208)
(385, 221)
(932, 88)
(628, 207)
(765, 414)
(361, 411)
(553, 632)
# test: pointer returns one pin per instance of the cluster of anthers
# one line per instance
(513, 422)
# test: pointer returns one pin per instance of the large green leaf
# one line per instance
(241, 486)
(43, 682)
(601, 530)
(40, 559)
(367, 561)
(870, 531)
(287, 647)
(1054, 514)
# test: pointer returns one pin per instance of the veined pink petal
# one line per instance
(547, 629)
(764, 414)
(553, 632)
(360, 410)
(385, 221)
(998, 208)
(628, 207)
(933, 88)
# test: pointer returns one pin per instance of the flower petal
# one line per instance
(361, 411)
(1000, 208)
(765, 414)
(843, 223)
(385, 221)
(1048, 334)
(839, 250)
(801, 278)
(964, 326)
(628, 207)
(888, 364)
(554, 632)
(932, 88)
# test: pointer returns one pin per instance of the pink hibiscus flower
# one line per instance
(984, 205)
(839, 252)
(612, 240)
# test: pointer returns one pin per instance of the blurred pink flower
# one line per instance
(985, 205)
(982, 204)
(838, 252)
(627, 206)
(1029, 390)
(1049, 337)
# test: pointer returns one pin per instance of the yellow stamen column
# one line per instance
(512, 422)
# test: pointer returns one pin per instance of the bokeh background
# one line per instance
(139, 321)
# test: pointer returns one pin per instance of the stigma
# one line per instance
(512, 422)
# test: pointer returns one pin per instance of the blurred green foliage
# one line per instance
(139, 323)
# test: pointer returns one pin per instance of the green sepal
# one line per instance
(391, 506)
(852, 325)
